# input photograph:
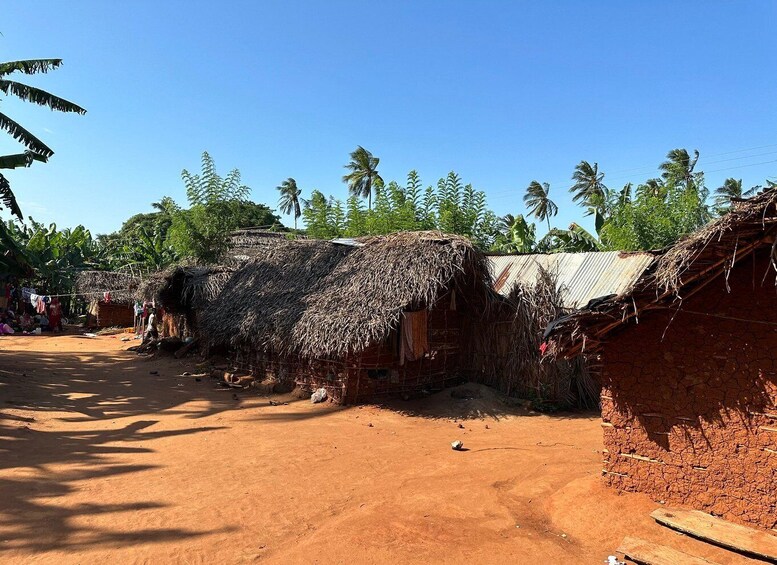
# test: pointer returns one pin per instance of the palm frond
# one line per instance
(7, 197)
(29, 66)
(38, 96)
(20, 160)
(22, 135)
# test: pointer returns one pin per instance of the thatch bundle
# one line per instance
(319, 299)
(93, 284)
(507, 352)
(729, 235)
(182, 288)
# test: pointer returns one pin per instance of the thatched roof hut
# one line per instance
(319, 299)
(94, 284)
(676, 273)
(110, 296)
(688, 361)
(181, 288)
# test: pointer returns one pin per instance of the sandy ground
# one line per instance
(103, 461)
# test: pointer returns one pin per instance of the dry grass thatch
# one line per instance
(677, 274)
(319, 299)
(248, 243)
(181, 288)
(746, 223)
(507, 352)
(92, 285)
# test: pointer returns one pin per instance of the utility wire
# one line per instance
(505, 193)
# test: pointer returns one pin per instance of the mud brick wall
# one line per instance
(376, 372)
(689, 405)
(111, 315)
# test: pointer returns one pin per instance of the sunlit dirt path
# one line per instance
(110, 458)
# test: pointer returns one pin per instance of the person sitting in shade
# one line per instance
(44, 323)
(27, 324)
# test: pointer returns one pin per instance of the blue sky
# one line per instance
(502, 92)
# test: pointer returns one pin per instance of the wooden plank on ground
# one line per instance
(742, 539)
(648, 553)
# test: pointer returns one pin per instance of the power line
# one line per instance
(505, 193)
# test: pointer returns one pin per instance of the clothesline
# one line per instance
(84, 293)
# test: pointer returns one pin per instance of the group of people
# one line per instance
(146, 320)
(27, 322)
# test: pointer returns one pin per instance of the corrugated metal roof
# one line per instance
(347, 241)
(582, 276)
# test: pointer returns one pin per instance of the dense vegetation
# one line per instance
(651, 215)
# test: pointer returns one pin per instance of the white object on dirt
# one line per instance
(318, 396)
(89, 335)
(457, 445)
(612, 560)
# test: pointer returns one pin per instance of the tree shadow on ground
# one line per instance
(40, 463)
(105, 386)
(473, 401)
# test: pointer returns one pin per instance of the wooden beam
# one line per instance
(648, 553)
(744, 540)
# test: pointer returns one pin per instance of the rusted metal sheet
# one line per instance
(581, 276)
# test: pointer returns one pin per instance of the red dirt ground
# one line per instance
(102, 461)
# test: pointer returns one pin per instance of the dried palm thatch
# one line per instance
(678, 273)
(734, 233)
(93, 284)
(248, 243)
(183, 288)
(507, 353)
(317, 299)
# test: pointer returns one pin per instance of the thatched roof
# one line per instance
(249, 243)
(677, 273)
(185, 287)
(92, 285)
(319, 299)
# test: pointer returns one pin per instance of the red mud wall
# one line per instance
(110, 315)
(691, 419)
(355, 379)
(432, 371)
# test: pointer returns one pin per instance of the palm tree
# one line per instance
(36, 149)
(653, 188)
(537, 200)
(679, 166)
(289, 200)
(166, 206)
(589, 189)
(364, 174)
(506, 222)
(731, 189)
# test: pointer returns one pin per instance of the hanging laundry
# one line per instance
(107, 297)
(26, 292)
(33, 299)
